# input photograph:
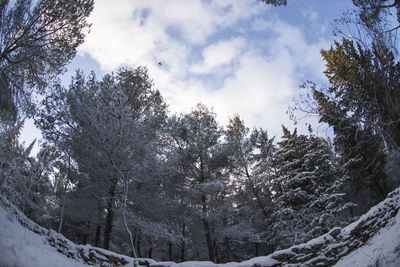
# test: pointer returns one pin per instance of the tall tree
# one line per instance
(36, 43)
(362, 101)
(307, 189)
(362, 152)
(111, 127)
(24, 180)
(250, 162)
(364, 84)
(198, 137)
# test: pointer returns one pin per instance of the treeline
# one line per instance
(119, 172)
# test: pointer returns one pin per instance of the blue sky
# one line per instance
(236, 56)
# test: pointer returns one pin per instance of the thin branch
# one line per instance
(395, 28)
(396, 2)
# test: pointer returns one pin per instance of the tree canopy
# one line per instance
(37, 41)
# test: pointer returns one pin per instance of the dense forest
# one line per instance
(116, 170)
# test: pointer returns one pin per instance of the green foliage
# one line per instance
(363, 84)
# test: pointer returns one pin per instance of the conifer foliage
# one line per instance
(306, 188)
(36, 43)
(117, 171)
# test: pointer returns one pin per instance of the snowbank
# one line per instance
(23, 243)
(23, 248)
(373, 239)
(383, 249)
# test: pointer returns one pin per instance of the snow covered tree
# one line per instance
(361, 149)
(250, 159)
(37, 41)
(14, 165)
(307, 189)
(111, 127)
(24, 180)
(198, 138)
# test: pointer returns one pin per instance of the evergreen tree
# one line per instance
(24, 180)
(250, 159)
(198, 138)
(364, 84)
(362, 153)
(37, 41)
(306, 189)
(111, 128)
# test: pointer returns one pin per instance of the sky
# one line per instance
(235, 56)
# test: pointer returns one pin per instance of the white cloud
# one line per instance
(310, 15)
(259, 91)
(254, 78)
(291, 38)
(120, 35)
(216, 55)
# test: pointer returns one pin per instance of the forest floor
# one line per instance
(373, 240)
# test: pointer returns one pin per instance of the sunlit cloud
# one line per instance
(218, 54)
(203, 51)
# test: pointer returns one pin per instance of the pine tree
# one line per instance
(198, 137)
(306, 189)
(111, 128)
(362, 153)
(364, 84)
(250, 158)
(37, 41)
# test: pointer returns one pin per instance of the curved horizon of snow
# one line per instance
(383, 249)
(20, 247)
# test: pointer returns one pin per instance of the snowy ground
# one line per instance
(381, 250)
(20, 247)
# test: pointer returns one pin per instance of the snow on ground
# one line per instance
(20, 247)
(383, 249)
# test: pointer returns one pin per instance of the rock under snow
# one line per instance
(372, 239)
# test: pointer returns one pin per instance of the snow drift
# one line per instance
(372, 239)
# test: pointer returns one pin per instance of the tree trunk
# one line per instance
(64, 195)
(227, 249)
(97, 238)
(98, 225)
(257, 249)
(133, 252)
(183, 244)
(207, 231)
(206, 225)
(110, 215)
(170, 250)
(138, 245)
(86, 235)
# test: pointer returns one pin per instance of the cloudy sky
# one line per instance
(236, 56)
